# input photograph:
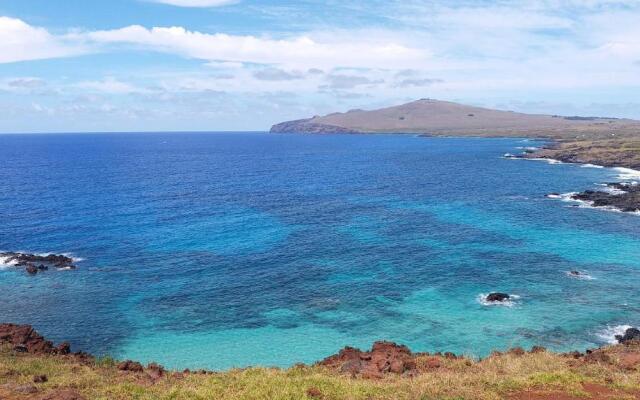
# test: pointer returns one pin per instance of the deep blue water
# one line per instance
(220, 250)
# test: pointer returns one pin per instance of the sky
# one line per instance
(218, 65)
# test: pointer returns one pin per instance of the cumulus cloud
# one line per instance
(196, 3)
(301, 51)
(417, 82)
(20, 41)
(339, 81)
(275, 74)
(26, 83)
(109, 85)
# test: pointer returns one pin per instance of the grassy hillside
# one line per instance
(602, 141)
(611, 373)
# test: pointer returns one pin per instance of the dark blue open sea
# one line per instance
(221, 250)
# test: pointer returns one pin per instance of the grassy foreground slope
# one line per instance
(610, 373)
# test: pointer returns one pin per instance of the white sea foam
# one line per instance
(609, 333)
(627, 174)
(583, 276)
(547, 160)
(612, 190)
(528, 149)
(5, 263)
(510, 302)
(591, 166)
(568, 197)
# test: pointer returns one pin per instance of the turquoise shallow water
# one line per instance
(222, 250)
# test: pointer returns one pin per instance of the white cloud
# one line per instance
(196, 3)
(109, 85)
(20, 41)
(361, 50)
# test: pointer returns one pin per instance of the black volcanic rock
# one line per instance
(626, 199)
(497, 297)
(34, 262)
(631, 334)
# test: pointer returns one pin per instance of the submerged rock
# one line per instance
(497, 296)
(631, 334)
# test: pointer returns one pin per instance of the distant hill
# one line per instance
(436, 117)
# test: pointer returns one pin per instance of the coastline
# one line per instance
(622, 196)
(439, 357)
(33, 368)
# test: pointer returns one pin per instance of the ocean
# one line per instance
(226, 250)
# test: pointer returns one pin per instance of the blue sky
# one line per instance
(157, 65)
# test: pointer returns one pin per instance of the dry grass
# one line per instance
(493, 378)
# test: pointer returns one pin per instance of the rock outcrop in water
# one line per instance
(500, 297)
(624, 197)
(34, 263)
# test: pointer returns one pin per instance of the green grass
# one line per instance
(493, 378)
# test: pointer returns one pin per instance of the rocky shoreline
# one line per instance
(610, 153)
(616, 196)
(623, 197)
(384, 358)
(32, 367)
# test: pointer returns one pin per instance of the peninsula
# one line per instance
(607, 142)
(610, 142)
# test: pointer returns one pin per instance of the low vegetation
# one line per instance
(610, 373)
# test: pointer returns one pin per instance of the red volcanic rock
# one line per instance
(25, 338)
(383, 358)
(433, 363)
(629, 361)
(538, 349)
(63, 348)
(314, 393)
(132, 366)
(155, 371)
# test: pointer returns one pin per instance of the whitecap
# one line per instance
(5, 263)
(509, 156)
(547, 160)
(609, 333)
(563, 196)
(582, 276)
(614, 191)
(510, 302)
(568, 197)
(627, 174)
